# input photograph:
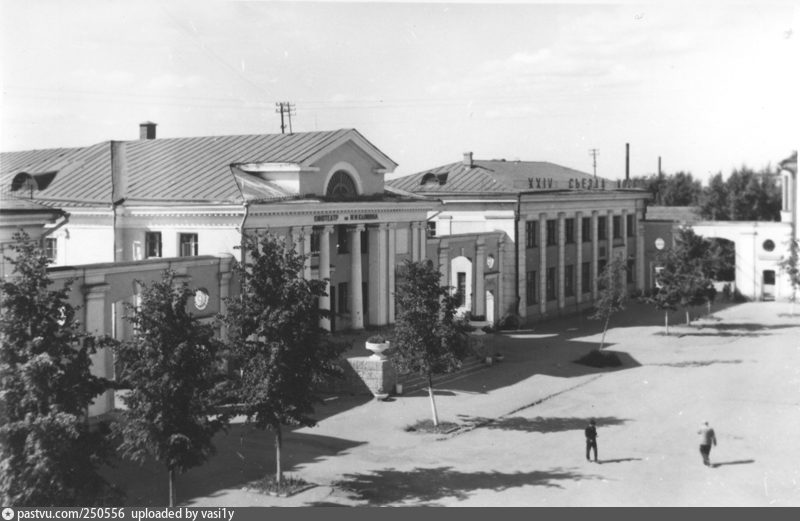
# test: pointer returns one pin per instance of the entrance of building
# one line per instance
(768, 285)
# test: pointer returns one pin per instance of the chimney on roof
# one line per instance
(468, 159)
(627, 161)
(147, 130)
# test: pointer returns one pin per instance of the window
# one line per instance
(188, 244)
(601, 228)
(51, 248)
(530, 288)
(601, 264)
(630, 277)
(152, 244)
(461, 285)
(586, 277)
(315, 234)
(530, 234)
(569, 280)
(551, 284)
(617, 226)
(586, 229)
(343, 306)
(430, 229)
(551, 232)
(341, 185)
(342, 244)
(631, 226)
(569, 231)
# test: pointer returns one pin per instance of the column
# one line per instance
(561, 259)
(378, 275)
(579, 257)
(624, 219)
(610, 235)
(542, 263)
(391, 268)
(423, 240)
(640, 260)
(479, 291)
(594, 255)
(307, 231)
(444, 261)
(325, 273)
(356, 298)
(521, 269)
(414, 242)
(102, 363)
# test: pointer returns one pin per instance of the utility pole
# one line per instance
(284, 107)
(594, 153)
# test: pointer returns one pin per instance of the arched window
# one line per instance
(341, 185)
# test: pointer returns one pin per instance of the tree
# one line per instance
(275, 338)
(49, 454)
(747, 195)
(613, 293)
(173, 370)
(679, 189)
(684, 276)
(791, 265)
(428, 338)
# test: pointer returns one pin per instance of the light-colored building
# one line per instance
(557, 228)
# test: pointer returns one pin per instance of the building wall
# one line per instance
(348, 157)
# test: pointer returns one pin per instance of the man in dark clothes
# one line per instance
(591, 439)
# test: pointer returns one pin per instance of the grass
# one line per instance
(287, 487)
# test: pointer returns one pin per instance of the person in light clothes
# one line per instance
(707, 439)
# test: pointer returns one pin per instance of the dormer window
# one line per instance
(27, 184)
(341, 185)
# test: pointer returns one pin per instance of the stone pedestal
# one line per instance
(376, 374)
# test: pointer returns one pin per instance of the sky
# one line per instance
(705, 86)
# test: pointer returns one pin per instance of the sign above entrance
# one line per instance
(333, 217)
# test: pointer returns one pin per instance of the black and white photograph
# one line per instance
(266, 253)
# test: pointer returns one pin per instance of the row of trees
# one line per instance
(745, 195)
(178, 392)
(684, 279)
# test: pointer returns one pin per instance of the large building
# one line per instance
(557, 226)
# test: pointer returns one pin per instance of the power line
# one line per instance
(594, 152)
(284, 107)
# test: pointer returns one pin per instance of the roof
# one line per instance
(493, 177)
(193, 169)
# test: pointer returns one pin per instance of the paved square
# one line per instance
(739, 369)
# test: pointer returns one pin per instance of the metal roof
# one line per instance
(196, 169)
(490, 177)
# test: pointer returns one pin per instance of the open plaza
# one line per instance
(520, 441)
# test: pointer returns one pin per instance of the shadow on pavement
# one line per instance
(618, 460)
(426, 485)
(698, 363)
(737, 462)
(243, 455)
(540, 424)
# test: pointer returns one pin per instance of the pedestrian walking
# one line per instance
(591, 439)
(707, 438)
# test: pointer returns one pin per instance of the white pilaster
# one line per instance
(561, 259)
(542, 263)
(579, 257)
(479, 299)
(392, 269)
(595, 257)
(356, 279)
(325, 273)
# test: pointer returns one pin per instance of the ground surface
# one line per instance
(522, 441)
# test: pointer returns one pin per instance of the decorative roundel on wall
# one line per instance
(768, 245)
(659, 243)
(490, 261)
(201, 299)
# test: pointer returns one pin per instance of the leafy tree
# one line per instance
(679, 189)
(791, 265)
(428, 338)
(173, 370)
(746, 195)
(685, 275)
(49, 454)
(613, 293)
(276, 340)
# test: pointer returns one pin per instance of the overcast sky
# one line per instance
(707, 86)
